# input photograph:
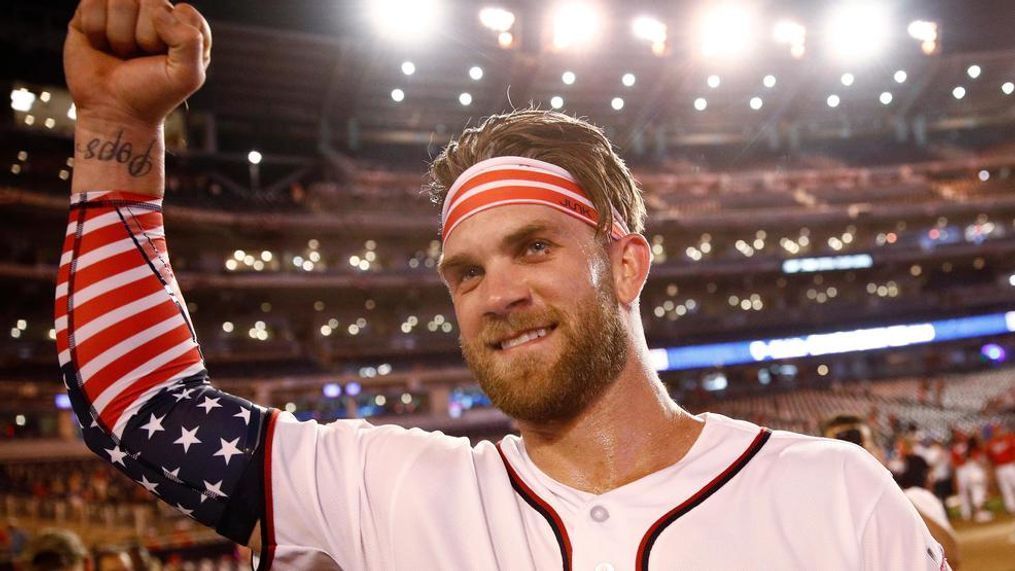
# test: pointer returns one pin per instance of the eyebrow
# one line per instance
(520, 235)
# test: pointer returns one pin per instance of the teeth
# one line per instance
(523, 338)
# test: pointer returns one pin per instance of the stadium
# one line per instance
(830, 190)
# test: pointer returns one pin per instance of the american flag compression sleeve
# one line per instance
(135, 374)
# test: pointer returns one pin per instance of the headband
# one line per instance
(502, 181)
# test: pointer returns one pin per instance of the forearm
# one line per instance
(118, 155)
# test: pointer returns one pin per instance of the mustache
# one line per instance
(496, 329)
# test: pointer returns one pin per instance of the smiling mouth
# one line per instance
(525, 337)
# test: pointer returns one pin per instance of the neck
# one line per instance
(631, 431)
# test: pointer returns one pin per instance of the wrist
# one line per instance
(112, 154)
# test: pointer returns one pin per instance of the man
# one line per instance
(1001, 450)
(55, 550)
(544, 261)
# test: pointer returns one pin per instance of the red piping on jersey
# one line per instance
(268, 525)
(649, 539)
(544, 509)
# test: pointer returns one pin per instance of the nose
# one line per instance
(504, 289)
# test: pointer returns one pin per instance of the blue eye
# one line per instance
(470, 272)
(539, 247)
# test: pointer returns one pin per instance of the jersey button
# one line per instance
(599, 514)
(604, 567)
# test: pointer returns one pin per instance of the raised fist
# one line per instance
(133, 61)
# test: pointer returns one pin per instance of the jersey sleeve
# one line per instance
(135, 375)
(894, 535)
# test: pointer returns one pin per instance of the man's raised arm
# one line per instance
(127, 348)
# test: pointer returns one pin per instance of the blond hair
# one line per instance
(568, 142)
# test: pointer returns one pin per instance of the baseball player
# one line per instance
(544, 260)
(1001, 450)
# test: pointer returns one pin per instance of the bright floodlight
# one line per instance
(832, 101)
(900, 76)
(575, 25)
(617, 103)
(556, 102)
(254, 157)
(465, 98)
(922, 30)
(408, 68)
(792, 34)
(885, 98)
(628, 79)
(397, 95)
(726, 30)
(406, 20)
(847, 79)
(858, 30)
(700, 104)
(1008, 88)
(768, 81)
(497, 19)
(756, 103)
(568, 77)
(973, 71)
(22, 99)
(713, 81)
(959, 92)
(476, 72)
(649, 29)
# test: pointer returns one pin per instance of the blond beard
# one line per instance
(541, 388)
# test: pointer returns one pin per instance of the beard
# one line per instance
(542, 387)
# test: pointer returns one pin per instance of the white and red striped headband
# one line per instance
(502, 181)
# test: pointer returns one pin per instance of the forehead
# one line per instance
(489, 229)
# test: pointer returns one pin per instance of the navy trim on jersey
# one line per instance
(543, 508)
(645, 549)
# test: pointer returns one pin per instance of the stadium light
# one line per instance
(726, 31)
(496, 19)
(701, 104)
(476, 72)
(556, 102)
(900, 76)
(713, 81)
(756, 103)
(885, 98)
(628, 79)
(959, 92)
(1008, 88)
(397, 95)
(858, 30)
(22, 99)
(575, 25)
(768, 81)
(926, 33)
(405, 20)
(465, 99)
(833, 101)
(408, 68)
(792, 34)
(973, 71)
(254, 157)
(847, 79)
(568, 77)
(617, 103)
(651, 30)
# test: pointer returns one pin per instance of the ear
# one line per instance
(630, 257)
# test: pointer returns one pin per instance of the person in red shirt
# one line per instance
(1001, 451)
(970, 476)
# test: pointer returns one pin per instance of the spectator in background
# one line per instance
(1001, 450)
(56, 550)
(970, 476)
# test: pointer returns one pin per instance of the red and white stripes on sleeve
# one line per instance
(121, 323)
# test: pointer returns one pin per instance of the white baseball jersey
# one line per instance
(348, 495)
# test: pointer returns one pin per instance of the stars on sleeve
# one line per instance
(150, 486)
(214, 490)
(228, 449)
(174, 474)
(116, 456)
(187, 437)
(183, 394)
(185, 511)
(209, 404)
(244, 414)
(154, 425)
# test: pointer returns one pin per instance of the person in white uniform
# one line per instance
(544, 260)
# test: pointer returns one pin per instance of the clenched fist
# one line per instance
(133, 61)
